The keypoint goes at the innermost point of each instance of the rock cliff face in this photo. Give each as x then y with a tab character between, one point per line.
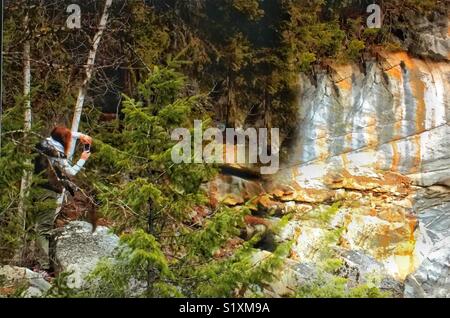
391	116
370	162
428	36
384	129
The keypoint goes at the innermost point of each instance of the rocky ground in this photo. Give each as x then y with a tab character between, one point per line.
375	226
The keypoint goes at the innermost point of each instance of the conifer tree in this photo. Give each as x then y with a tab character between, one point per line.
152	199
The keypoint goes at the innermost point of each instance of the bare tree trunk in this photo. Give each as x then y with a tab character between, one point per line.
89	70
83	88
26	178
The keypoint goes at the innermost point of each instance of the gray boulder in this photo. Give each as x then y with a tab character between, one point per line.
78	250
432	278
14	278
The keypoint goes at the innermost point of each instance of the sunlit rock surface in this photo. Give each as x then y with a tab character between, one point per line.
393	115
369	167
432	278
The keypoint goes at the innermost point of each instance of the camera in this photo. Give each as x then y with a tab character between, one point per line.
87	147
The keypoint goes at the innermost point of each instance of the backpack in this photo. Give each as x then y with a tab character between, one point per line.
57	181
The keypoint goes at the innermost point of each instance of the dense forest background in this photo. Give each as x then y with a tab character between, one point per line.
161	64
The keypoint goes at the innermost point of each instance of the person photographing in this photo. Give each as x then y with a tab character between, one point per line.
53	164
54	154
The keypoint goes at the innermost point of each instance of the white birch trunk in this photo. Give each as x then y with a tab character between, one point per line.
83	88
26	178
89	70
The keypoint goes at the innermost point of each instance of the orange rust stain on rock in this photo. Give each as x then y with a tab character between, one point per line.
395	157
391	213
310	195
293	255
387	182
397	130
418	88
384	240
322	145
412	221
372	133
395	72
345	84
348	142
402	56
344	160
393	178
417	160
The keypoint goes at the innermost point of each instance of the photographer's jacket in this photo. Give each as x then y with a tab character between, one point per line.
52	163
60	159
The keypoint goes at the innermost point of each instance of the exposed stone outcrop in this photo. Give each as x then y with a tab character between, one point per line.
432	206
392	116
432	252
432	278
428	36
373	215
78	249
370	167
27	282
